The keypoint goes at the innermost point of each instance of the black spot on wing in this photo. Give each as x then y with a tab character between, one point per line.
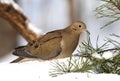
36	46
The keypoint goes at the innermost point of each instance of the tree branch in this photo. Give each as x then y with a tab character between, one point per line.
11	12
112	49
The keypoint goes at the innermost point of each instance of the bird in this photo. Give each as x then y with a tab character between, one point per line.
53	45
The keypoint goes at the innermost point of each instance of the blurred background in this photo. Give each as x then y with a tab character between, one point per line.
50	15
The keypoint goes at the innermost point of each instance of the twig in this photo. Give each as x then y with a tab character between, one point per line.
112	49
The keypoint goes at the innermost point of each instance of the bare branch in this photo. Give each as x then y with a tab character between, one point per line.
11	12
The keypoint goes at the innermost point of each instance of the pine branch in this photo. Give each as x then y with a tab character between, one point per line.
111	10
112	49
70	65
87	61
110	23
115	3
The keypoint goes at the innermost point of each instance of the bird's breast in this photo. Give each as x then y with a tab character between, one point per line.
68	45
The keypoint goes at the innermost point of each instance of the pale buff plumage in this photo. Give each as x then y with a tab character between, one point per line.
55	44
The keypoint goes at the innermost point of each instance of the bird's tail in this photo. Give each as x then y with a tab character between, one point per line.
22	52
17	60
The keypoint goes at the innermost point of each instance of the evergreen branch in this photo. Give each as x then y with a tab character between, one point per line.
115	3
112	49
114	42
115	35
72	65
110	23
111	9
85	61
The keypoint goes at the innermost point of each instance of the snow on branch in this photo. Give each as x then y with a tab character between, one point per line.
11	12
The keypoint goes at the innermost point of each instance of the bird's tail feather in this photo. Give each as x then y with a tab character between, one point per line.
22	52
17	60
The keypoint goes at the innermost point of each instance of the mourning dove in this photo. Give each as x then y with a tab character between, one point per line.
54	44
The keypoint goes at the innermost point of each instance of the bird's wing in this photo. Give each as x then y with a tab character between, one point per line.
50	36
50	45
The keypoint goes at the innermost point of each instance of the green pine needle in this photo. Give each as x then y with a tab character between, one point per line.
111	10
84	61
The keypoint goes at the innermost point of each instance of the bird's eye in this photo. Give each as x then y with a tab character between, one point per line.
80	26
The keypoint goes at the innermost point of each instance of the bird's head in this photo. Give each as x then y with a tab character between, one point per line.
78	27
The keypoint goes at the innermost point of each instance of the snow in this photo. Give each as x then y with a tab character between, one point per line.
88	77
37	71
28	71
96	55
106	55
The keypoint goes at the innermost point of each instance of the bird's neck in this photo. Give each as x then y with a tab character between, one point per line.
68	29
